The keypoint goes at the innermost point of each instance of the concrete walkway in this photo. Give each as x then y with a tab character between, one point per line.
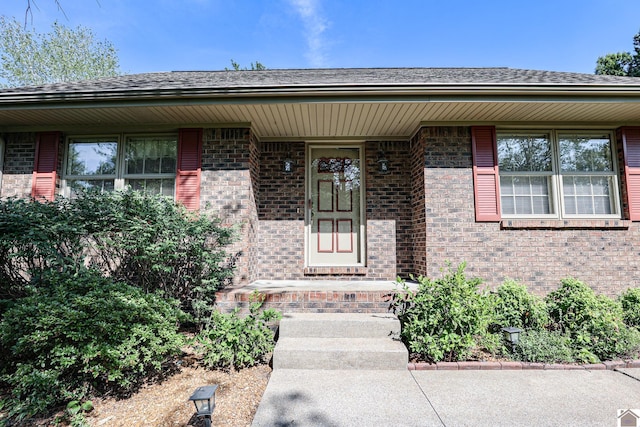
296	397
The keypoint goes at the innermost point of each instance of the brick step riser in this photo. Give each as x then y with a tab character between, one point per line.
310	301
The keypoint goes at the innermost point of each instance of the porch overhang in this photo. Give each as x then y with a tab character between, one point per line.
314	111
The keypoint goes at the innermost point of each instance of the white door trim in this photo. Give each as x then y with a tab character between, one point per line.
360	146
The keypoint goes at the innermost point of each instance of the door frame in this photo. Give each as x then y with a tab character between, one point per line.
360	145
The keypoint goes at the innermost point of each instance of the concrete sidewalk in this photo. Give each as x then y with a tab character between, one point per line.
447	398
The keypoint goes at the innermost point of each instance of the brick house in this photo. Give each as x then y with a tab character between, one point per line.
360	174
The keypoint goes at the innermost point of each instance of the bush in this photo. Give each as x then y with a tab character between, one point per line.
444	318
155	244
34	238
630	301
231	341
84	334
515	306
146	241
544	346
594	322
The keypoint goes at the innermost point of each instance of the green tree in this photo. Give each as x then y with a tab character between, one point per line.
621	63
64	54
257	66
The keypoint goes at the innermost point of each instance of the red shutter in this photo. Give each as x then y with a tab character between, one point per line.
486	184
43	184
188	177
631	150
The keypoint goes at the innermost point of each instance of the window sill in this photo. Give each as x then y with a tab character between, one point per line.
564	224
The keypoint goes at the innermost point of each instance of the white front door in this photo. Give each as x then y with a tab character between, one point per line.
334	206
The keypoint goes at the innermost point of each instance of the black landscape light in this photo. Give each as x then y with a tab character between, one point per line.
512	334
205	400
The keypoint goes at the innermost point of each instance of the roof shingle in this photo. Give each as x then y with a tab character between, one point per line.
317	78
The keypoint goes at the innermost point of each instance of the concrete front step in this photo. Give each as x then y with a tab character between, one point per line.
340	353
339	325
339	341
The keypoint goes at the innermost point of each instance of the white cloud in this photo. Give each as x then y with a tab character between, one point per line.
315	25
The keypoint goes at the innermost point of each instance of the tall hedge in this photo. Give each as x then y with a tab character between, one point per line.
148	242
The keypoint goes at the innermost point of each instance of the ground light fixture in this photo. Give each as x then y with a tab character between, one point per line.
204	398
512	335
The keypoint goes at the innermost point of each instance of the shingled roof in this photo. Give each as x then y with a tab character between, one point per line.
306	104
354	78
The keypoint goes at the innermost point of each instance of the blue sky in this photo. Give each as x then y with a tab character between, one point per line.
169	35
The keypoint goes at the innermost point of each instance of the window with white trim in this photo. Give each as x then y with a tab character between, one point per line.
557	174
144	162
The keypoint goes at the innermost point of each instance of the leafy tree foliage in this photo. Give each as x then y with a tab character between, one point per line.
257	66
621	63
64	54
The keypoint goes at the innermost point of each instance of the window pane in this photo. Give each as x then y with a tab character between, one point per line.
523	205
169	157
539	185
587	195
582	185
540	205
600	185
77	185
151	155
522	153
525	195
153	186
602	205
134	158
92	158
585	153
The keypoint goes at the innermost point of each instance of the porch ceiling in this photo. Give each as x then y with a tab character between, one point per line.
296	119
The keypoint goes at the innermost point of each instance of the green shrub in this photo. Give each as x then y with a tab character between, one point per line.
444	318
145	241
544	346
630	301
492	344
153	243
515	306
594	322
231	341
84	334
34	238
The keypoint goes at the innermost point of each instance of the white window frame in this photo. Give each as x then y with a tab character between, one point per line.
556	198
120	177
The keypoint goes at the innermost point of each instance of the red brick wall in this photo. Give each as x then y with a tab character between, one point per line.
418	213
389	252
227	190
605	258
281	212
